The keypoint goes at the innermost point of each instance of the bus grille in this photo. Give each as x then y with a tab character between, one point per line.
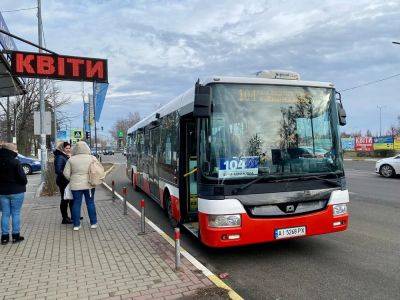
287	209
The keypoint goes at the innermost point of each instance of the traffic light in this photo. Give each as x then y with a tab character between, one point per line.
87	135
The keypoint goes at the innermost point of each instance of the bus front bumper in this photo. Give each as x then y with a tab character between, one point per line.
260	230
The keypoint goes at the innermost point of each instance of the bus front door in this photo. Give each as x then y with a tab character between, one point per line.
153	167
191	166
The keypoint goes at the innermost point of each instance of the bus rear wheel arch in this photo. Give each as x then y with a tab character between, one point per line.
169	209
135	187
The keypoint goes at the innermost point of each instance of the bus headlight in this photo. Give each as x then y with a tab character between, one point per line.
224	220
339	209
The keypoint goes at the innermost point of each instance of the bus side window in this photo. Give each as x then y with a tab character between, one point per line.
169	139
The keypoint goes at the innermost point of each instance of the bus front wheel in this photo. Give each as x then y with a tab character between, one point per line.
168	210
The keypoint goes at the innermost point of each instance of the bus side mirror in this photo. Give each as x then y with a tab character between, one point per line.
342	114
340	109
202	101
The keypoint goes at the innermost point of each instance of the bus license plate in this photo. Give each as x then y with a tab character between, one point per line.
290	232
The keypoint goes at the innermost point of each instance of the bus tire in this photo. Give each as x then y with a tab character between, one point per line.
168	210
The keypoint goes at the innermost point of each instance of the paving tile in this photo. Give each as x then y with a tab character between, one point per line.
111	262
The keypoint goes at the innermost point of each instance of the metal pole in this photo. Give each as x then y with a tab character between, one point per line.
142	217
55	115
177	235
43	150
124	191
95	123
23	40
380	119
89	125
113	190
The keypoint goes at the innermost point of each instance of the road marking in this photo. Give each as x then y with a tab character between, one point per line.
210	275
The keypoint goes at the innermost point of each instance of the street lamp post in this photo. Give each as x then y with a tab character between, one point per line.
380	118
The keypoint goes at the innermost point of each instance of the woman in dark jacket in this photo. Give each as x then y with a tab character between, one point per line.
61	155
12	191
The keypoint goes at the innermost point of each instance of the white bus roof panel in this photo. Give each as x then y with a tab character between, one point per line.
187	97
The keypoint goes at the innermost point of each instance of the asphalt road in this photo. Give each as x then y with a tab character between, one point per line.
360	263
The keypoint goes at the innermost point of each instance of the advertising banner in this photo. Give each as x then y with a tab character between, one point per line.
396	143
91	110
99	96
383	143
348	144
86	116
62	135
364	143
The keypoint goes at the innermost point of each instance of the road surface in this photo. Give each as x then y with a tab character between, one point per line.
360	263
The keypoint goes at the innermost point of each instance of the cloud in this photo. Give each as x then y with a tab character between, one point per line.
158	49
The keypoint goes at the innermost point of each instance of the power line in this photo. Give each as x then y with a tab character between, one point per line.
20	9
370	82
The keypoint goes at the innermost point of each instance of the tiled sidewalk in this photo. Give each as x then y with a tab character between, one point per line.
110	262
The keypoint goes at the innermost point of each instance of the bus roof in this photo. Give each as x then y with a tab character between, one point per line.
184	102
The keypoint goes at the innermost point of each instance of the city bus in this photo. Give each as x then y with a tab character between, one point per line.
244	160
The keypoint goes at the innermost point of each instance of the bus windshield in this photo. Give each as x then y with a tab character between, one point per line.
257	130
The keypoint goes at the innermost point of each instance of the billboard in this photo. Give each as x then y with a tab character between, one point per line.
348	144
364	143
396	143
383	143
40	65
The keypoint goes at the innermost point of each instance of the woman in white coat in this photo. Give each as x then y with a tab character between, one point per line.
77	172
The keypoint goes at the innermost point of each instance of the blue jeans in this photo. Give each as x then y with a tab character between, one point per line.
76	208
11	206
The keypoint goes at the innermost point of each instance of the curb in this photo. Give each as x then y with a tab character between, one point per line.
366	159
210	275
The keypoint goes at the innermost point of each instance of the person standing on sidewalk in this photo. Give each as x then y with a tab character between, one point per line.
12	191
77	172
61	156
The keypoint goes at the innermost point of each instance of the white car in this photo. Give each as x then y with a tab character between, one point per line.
388	167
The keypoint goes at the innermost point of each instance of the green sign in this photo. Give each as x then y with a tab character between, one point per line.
120	134
76	135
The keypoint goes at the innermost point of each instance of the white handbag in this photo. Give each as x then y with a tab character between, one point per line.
68	193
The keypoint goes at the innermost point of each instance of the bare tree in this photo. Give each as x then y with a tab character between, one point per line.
123	124
17	112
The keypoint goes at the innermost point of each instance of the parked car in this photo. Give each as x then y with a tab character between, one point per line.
29	165
388	167
108	152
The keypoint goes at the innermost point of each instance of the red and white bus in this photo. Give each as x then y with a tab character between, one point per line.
243	160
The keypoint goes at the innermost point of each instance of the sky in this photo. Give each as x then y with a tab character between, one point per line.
157	49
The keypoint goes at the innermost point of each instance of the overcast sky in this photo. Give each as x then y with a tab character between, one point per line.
158	49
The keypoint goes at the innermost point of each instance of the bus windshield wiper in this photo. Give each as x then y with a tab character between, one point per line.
246	185
292	177
323	177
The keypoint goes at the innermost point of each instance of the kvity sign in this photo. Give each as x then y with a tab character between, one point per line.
40	65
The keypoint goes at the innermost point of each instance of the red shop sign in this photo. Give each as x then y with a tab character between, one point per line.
40	65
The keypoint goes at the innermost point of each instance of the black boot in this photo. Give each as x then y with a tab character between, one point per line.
17	238
5	238
66	221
